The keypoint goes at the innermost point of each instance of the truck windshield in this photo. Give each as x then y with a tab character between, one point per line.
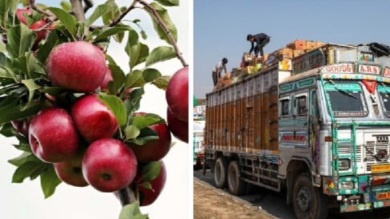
345	98
384	91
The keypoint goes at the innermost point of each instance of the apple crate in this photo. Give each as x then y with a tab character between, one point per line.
264	58
298	52
285	53
311	45
297	44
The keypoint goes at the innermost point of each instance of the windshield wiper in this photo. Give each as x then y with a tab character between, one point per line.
341	91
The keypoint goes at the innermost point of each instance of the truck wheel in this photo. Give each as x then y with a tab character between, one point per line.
236	185
308	202
220	170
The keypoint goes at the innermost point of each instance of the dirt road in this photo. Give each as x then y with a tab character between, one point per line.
212	203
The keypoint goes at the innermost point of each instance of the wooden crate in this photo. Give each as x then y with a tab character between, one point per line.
297	44
286	53
298	52
311	45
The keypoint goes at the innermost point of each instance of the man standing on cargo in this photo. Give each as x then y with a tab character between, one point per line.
261	40
221	65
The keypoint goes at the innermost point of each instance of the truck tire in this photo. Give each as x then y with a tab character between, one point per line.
220	171
236	185
308	201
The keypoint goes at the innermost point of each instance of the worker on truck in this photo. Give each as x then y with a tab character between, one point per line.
221	65
261	41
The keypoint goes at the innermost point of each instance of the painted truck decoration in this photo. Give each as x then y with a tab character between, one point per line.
319	130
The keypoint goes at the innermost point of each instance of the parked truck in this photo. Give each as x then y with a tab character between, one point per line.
316	127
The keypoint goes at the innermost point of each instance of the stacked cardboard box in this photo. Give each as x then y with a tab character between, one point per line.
300	47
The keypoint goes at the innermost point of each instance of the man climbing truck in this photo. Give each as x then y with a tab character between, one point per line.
317	129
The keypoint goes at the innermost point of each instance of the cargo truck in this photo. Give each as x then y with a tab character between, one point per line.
316	126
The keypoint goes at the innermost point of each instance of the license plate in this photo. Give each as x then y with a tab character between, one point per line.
383	195
380	168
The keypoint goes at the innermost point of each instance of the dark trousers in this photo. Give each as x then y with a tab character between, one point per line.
215	77
260	46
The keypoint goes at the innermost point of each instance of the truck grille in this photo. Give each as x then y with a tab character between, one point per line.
371	153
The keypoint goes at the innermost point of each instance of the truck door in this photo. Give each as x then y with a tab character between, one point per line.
300	116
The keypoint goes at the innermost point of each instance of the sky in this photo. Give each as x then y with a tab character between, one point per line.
26	200
221	27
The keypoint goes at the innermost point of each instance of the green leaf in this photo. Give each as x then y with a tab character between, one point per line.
131	132
132	211
116	106
49	182
11	110
66	6
117	73
66	19
132	103
160	54
169	2
107	32
150	74
7	7
151	171
7	130
166	19
32	87
134	79
23	147
20	40
147	185
26	170
147	120
52	40
24	158
99	11
137	51
112	14
162	82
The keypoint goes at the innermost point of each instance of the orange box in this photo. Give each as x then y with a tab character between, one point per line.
319	44
297	44
264	58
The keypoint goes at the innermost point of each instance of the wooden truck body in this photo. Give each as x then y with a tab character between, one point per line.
317	127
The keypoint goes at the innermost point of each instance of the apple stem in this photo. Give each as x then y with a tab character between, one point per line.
126	196
165	29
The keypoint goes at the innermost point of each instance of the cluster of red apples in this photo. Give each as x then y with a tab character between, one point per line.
81	139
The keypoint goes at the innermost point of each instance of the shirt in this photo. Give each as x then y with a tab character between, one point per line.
258	38
219	67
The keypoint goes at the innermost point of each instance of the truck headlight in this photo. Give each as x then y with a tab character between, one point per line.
344	164
347	185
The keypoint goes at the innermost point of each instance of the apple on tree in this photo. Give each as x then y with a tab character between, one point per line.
177	94
93	119
109	165
78	66
153	150
149	195
70	171
178	128
53	136
38	27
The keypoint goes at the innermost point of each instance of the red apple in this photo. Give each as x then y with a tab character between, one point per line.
178	128
177	94
93	119
53	136
109	165
70	172
78	66
39	32
148	196
21	126
154	150
21	13
106	80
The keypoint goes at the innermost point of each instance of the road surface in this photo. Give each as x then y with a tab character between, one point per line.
275	203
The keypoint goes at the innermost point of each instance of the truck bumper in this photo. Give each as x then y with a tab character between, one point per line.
359	193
